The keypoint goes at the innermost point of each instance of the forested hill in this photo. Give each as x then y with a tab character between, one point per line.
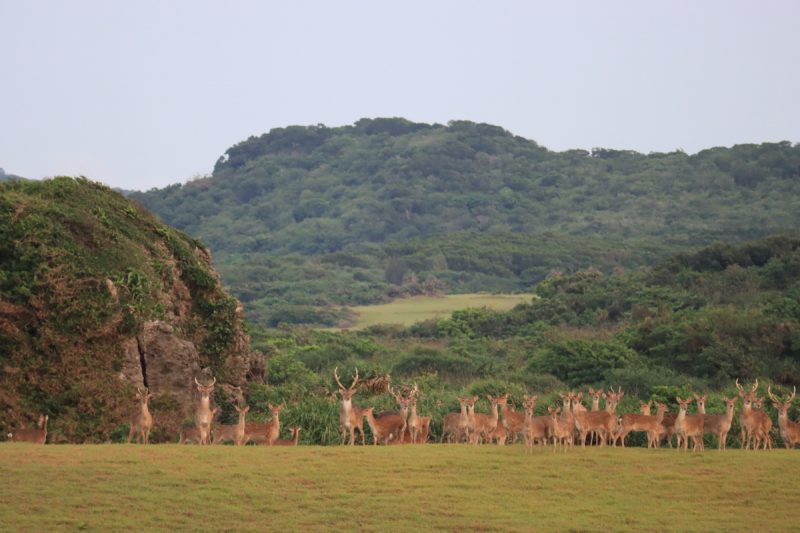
471	205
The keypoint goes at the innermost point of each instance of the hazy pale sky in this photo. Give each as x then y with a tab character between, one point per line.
147	93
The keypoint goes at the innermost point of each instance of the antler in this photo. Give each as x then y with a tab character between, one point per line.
355	380
336	375
756	385
794	393
772	396
739	386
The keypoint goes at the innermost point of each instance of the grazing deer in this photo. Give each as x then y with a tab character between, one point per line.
295	431
456	425
192	434
513	422
36	435
562	429
689	426
485	424
718	425
790	431
639	422
425	428
142	421
202	415
232	432
351	418
386	427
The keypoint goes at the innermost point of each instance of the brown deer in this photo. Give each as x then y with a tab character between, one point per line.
718	425
537	428
689	426
414	422
203	415
752	421
790	431
232	432
456	425
351	417
425	428
485	424
265	432
142	421
603	421
36	435
765	425
563	429
295	431
513	422
386	427
192	434
639	422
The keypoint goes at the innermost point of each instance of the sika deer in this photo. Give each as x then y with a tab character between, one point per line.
386	427
142	421
639	422
32	435
203	415
350	416
295	431
513	422
232	432
192	434
456	425
790	431
719	425
689	426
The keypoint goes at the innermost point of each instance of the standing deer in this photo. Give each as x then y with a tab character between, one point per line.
790	431
639	422
485	424
513	422
753	422
689	426
142	421
603	422
192	434
718	425
425	428
233	432
350	416
456	425
203	414
414	422
563	429
536	427
36	435
386	427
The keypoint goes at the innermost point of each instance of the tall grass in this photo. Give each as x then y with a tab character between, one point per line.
396	488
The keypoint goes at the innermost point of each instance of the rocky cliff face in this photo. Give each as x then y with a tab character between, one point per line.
97	298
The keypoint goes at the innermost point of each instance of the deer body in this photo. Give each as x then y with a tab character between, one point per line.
513	422
689	426
639	422
290	442
351	417
36	435
142	421
485	424
203	415
790	431
232	432
386	427
456	425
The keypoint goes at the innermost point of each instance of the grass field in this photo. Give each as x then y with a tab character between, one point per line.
407	311
402	488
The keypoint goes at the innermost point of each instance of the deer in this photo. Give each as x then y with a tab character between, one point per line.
265	432
764	427
640	422
596	394
689	426
37	435
192	434
456	425
603	421
295	431
232	432
485	424
425	428
414	423
513	422
790	431
386	427
537	428
142	421
718	425
563	429
351	418
203	415
752	421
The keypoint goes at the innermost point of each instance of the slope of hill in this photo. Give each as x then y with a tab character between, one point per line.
303	217
97	297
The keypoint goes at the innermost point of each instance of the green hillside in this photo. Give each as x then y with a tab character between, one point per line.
301	218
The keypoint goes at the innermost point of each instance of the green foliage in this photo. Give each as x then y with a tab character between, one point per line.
578	361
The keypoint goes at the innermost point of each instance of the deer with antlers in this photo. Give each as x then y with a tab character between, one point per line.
142	421
351	418
790	431
754	423
203	415
456	425
689	426
232	432
640	422
37	435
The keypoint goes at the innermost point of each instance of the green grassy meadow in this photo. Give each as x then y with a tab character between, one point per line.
396	488
407	311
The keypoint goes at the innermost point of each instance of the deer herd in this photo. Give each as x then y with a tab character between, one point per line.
564	426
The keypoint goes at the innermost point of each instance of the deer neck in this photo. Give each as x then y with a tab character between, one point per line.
347	406
595	404
295	437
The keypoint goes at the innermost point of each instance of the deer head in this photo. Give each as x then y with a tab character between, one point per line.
346	392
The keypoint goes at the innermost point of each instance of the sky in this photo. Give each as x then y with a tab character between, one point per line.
144	94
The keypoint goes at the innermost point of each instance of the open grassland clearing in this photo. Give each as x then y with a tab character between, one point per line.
407	311
396	488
